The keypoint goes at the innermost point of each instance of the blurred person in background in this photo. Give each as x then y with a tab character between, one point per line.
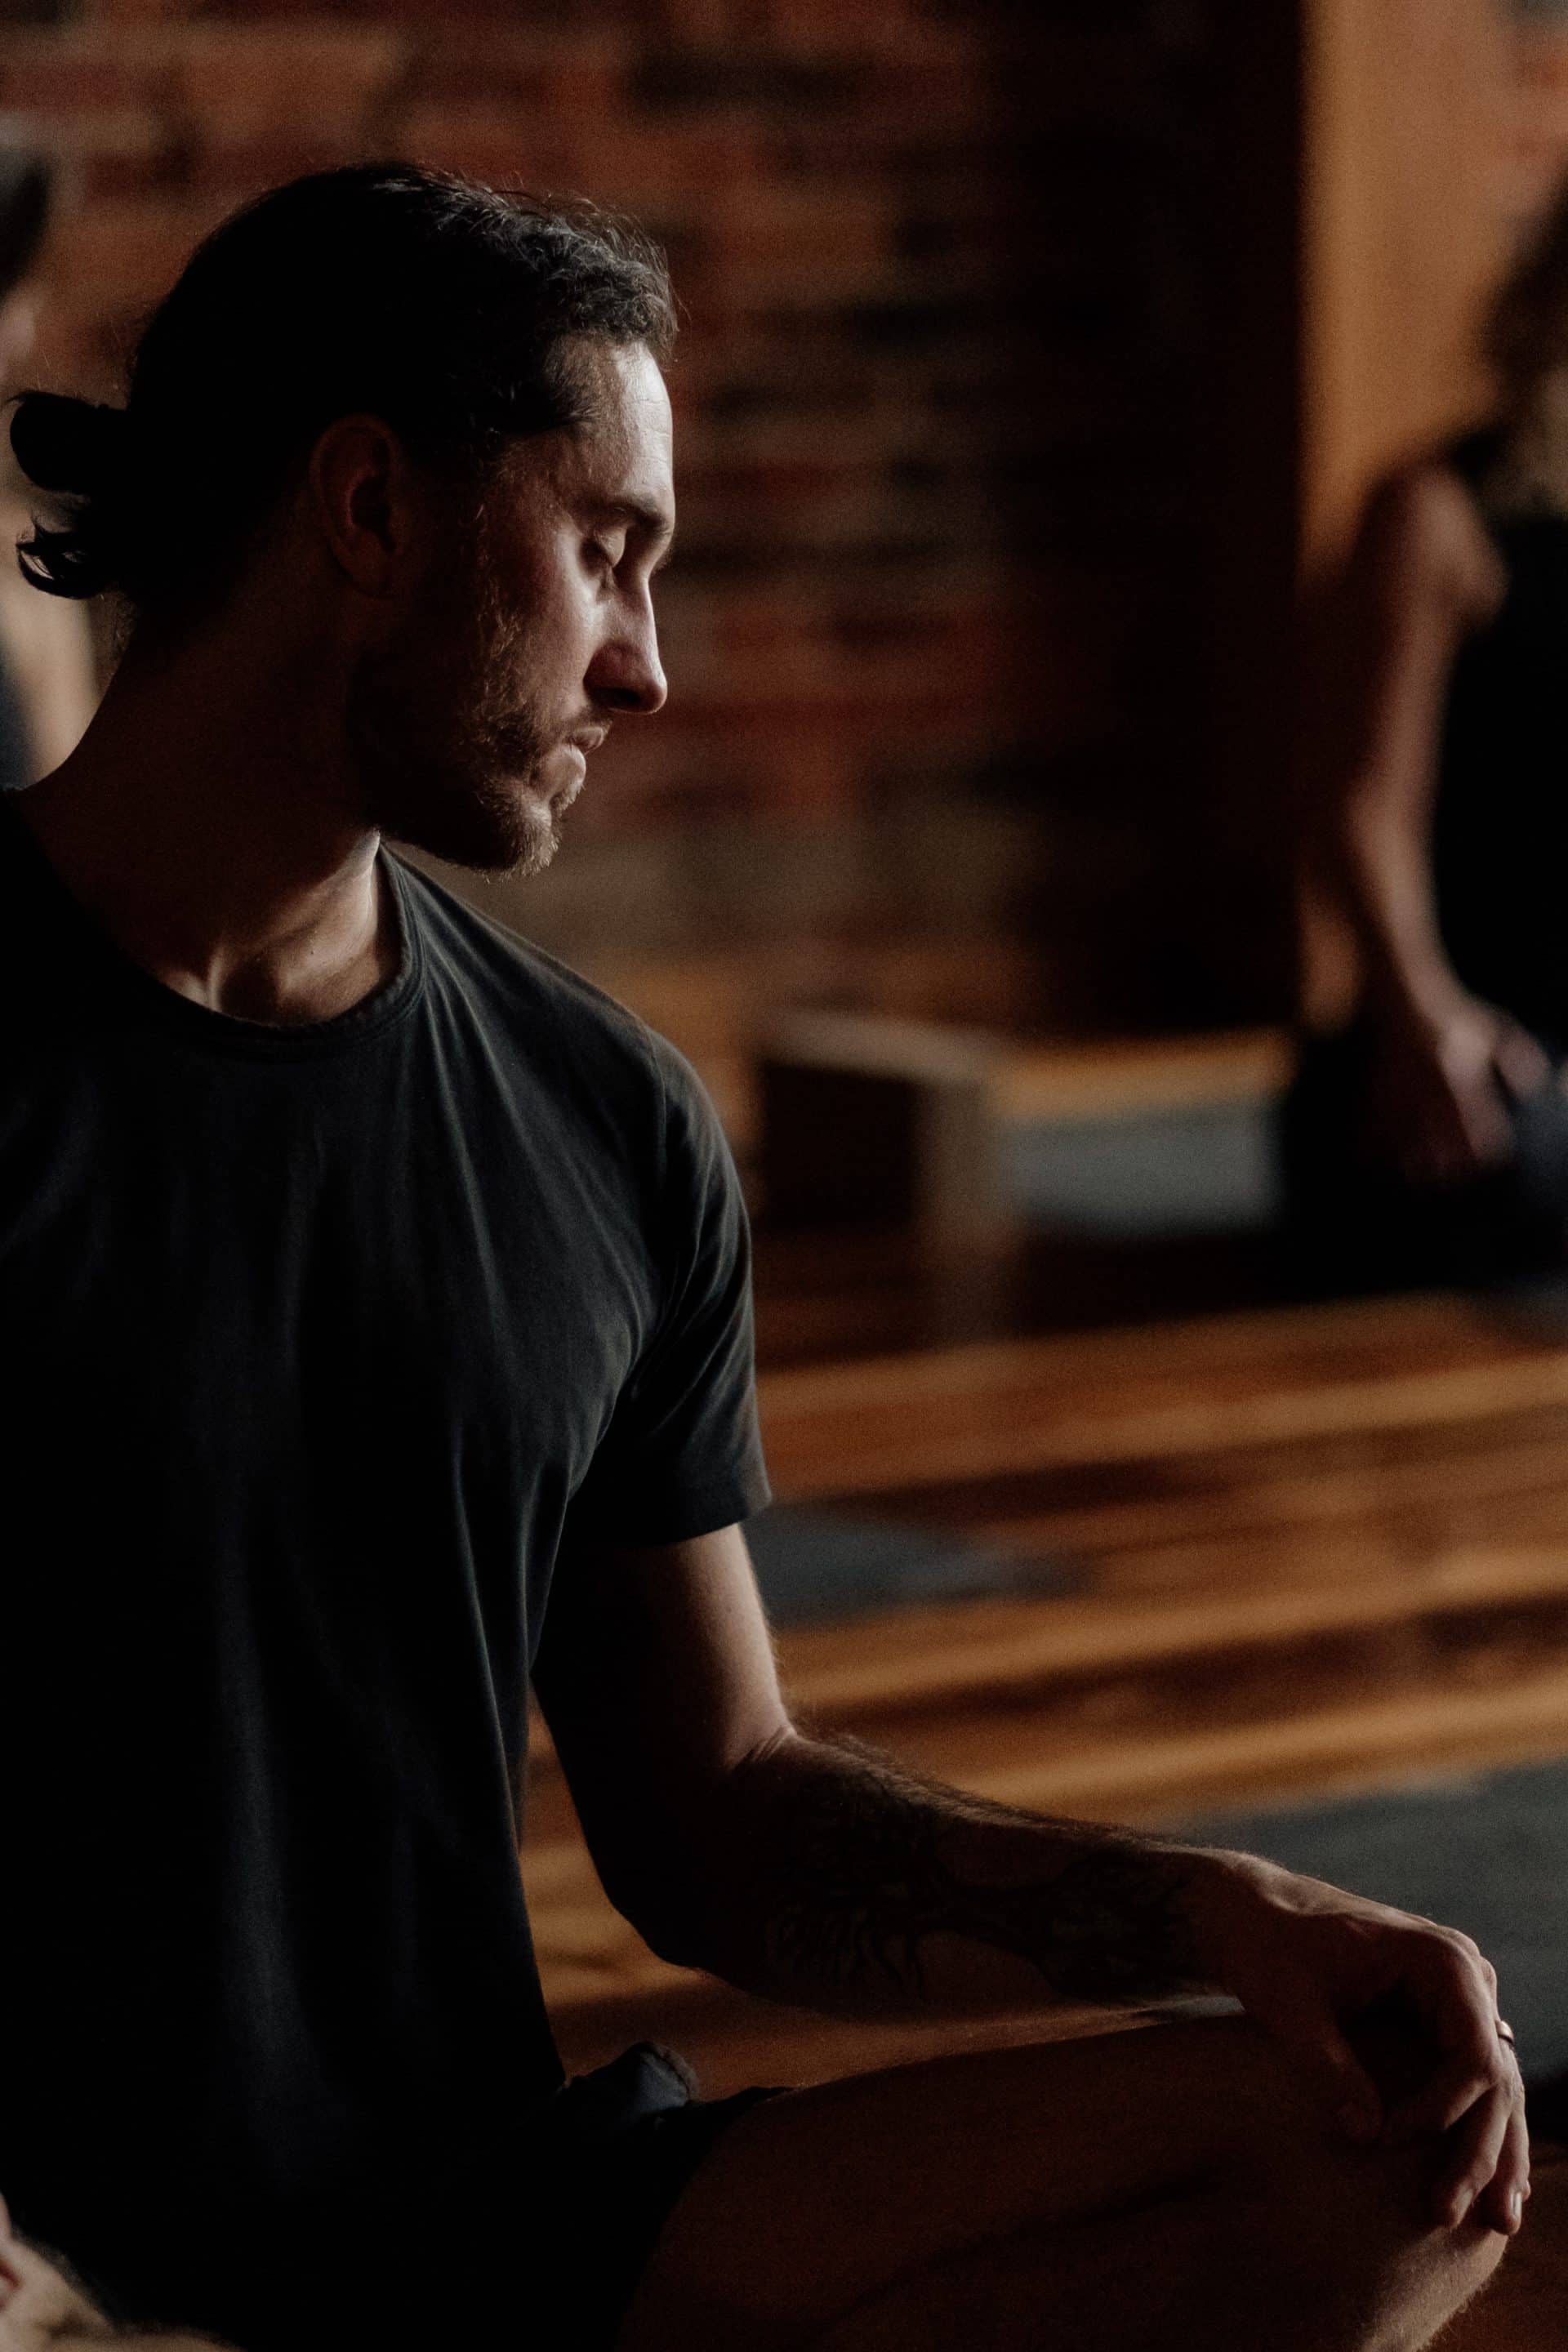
48	686
1426	1136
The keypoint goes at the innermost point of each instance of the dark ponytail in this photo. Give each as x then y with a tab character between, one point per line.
433	302
79	452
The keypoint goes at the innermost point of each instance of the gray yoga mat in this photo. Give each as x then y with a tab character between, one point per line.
814	1565
1205	1169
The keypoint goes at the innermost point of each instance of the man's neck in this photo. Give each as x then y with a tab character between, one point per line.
206	825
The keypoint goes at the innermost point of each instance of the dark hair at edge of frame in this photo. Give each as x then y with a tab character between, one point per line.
435	303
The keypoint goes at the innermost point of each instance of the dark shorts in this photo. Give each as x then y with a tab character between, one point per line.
542	2253
629	2135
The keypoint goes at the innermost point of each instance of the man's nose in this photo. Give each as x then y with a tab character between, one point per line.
627	672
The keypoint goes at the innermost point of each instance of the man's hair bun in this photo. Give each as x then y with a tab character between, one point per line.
77	452
68	446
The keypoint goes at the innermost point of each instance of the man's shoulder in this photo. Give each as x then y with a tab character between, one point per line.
521	989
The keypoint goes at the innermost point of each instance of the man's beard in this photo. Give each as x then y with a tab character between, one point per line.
471	818
452	761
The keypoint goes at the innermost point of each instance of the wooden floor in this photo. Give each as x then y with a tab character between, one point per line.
1288	1551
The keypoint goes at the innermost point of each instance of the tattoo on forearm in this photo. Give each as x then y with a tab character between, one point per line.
862	1875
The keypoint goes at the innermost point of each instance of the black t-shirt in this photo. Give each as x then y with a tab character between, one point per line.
320	1347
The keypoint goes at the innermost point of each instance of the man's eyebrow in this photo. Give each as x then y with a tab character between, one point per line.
651	522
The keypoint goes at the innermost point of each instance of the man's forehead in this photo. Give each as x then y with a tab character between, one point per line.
624	450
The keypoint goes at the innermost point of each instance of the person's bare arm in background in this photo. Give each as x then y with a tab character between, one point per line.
41	2311
1421	575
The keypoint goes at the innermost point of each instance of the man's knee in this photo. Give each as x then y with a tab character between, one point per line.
1329	2219
1352	2225
1398	2281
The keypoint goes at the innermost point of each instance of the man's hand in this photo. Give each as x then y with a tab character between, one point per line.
40	2310
1308	1961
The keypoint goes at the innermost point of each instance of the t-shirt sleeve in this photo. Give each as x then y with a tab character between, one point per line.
682	1454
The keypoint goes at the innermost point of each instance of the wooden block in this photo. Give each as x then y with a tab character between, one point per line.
1129	1077
865	1121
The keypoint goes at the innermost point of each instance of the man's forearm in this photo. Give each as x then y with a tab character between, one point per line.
848	1884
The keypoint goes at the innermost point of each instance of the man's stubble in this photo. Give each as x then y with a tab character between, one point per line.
450	747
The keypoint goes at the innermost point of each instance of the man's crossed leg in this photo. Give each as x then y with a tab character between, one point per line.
1174	2189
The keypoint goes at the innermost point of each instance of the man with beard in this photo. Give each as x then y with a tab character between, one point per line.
377	1334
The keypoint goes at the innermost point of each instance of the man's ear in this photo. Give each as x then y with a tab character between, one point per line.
361	485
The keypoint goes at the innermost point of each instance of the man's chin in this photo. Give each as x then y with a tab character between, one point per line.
513	833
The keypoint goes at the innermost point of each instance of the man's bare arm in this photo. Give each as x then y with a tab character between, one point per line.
847	1883
820	1873
814	1870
